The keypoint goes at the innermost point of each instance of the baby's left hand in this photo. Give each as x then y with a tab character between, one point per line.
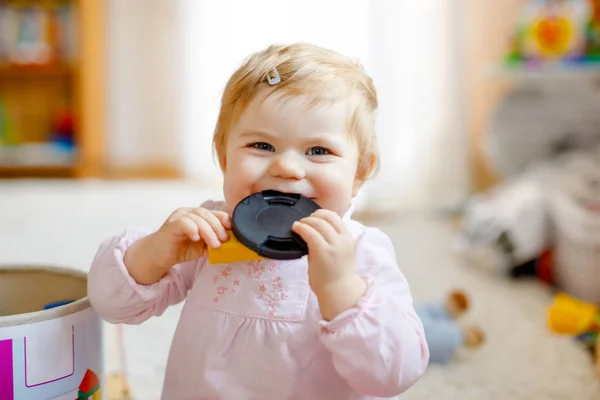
331	269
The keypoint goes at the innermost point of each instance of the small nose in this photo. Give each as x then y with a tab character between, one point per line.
287	166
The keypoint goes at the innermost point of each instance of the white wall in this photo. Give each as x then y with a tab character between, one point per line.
218	35
170	59
408	47
143	97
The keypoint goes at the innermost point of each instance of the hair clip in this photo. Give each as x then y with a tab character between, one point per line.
273	77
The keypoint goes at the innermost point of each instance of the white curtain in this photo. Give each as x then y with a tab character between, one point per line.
408	47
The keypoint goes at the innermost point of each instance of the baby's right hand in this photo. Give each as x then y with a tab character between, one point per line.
187	232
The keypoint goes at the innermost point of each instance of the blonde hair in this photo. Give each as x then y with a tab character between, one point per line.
322	75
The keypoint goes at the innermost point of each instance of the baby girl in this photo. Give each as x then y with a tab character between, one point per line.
338	323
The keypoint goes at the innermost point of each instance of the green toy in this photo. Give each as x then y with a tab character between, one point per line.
7	133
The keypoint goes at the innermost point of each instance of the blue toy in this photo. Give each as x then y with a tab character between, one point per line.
57	304
444	333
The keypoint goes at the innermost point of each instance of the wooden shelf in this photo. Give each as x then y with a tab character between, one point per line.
552	72
59	70
36	159
37	171
33	96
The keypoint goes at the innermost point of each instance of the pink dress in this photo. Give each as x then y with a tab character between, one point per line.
253	330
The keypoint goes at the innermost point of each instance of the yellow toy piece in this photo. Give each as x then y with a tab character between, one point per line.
231	251
554	36
571	316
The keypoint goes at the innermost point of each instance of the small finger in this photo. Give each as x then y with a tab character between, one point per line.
177	214
196	249
188	227
205	230
333	218
224	218
322	226
311	236
213	221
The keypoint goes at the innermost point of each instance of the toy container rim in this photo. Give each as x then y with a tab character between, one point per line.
53	313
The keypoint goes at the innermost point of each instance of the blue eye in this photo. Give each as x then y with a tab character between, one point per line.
263	146
317	151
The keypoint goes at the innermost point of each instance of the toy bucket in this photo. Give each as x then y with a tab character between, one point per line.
50	339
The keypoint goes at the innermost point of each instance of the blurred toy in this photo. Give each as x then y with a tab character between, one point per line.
55	304
593	32
7	133
444	334
554	30
575	213
63	130
570	316
507	228
90	387
539	267
581	180
512	228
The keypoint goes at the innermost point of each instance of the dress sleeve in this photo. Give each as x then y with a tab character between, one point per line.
379	345
118	298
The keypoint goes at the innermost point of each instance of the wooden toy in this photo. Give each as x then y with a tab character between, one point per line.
231	251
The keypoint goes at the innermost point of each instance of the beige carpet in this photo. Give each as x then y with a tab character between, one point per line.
520	359
63	223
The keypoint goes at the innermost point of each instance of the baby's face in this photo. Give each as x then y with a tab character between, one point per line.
281	144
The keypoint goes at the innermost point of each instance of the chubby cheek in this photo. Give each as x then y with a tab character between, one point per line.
333	188
240	176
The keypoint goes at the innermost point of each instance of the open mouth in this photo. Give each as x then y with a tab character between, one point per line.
292	193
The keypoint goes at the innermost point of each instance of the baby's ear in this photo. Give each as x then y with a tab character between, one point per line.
357	185
364	172
359	181
223	161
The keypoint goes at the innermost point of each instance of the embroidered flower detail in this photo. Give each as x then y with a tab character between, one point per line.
226	272
236	284
255	269
273	267
271	302
221	290
223	283
272	294
277	285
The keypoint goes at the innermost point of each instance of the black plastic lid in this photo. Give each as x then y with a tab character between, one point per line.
263	222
